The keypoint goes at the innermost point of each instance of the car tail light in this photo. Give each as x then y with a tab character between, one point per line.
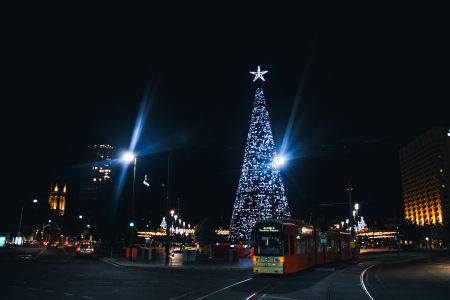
78	249
66	243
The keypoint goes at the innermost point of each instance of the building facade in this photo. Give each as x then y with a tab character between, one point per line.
425	177
94	187
101	168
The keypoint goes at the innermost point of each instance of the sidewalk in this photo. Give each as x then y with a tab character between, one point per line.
178	263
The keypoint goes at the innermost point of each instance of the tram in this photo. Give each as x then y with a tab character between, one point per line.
283	246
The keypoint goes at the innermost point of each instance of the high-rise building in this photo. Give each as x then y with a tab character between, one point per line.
425	175
57	200
101	168
94	186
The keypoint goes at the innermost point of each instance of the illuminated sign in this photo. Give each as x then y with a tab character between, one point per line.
2	241
268	229
305	230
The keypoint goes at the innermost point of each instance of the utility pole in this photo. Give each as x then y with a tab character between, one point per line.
350	206
19	233
168	216
132	224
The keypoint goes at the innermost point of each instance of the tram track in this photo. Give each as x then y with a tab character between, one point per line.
263	286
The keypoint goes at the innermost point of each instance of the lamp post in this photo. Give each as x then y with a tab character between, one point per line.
350	189
80	217
278	162
21	216
127	158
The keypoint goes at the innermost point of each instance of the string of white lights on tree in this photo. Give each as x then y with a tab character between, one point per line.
260	194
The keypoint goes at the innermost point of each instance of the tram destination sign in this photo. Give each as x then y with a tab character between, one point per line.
268	229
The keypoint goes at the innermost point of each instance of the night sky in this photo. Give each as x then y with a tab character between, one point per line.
357	83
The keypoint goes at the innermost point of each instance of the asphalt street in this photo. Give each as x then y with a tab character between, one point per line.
39	273
426	278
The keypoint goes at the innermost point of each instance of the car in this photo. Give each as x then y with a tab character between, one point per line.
71	242
85	249
31	243
52	244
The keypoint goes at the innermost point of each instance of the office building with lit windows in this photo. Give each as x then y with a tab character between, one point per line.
101	169
95	186
425	169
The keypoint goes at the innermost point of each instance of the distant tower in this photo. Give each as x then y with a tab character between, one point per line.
101	168
57	200
260	194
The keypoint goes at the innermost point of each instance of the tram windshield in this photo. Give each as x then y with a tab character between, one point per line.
268	245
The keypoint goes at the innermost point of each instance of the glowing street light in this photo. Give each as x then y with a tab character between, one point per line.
21	215
356	206
127	158
279	161
80	217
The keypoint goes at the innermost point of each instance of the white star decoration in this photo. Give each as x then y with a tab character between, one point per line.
258	74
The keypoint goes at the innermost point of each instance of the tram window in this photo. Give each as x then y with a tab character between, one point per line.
298	246
286	245
291	242
268	246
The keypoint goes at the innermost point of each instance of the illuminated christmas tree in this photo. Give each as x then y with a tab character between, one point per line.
260	194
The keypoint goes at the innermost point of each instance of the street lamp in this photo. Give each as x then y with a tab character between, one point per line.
21	215
279	161
127	158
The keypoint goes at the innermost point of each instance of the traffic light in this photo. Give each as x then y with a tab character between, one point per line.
131	224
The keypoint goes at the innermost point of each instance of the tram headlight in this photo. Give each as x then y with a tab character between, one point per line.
280	260
255	259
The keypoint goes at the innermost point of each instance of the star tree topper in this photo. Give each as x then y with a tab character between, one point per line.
258	74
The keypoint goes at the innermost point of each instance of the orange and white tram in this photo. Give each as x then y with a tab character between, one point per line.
283	246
